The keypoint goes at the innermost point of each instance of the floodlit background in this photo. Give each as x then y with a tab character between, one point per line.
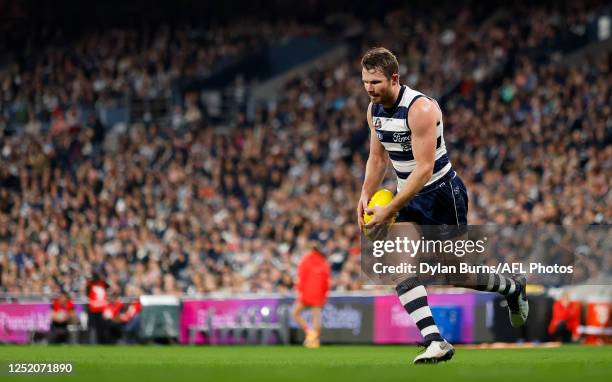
185	154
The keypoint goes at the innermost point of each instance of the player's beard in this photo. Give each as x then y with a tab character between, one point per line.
378	98
386	98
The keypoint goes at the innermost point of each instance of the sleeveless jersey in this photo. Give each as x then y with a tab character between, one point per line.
394	133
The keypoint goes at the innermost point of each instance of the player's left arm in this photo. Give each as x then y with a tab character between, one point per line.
422	119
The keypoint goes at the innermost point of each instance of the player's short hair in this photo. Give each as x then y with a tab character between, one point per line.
382	59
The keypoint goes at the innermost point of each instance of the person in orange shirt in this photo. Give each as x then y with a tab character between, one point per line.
312	287
565	319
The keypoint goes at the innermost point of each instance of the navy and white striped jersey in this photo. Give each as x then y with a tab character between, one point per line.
394	133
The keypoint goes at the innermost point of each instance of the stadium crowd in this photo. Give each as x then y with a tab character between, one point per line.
60	80
180	207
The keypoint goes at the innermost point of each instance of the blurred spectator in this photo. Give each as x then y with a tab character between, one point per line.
98	301
129	318
62	315
565	319
312	287
111	315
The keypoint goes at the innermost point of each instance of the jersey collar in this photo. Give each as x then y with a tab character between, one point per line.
397	101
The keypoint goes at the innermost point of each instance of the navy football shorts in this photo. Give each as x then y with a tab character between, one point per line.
442	203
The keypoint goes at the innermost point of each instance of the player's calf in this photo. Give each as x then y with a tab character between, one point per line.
514	289
518	306
413	297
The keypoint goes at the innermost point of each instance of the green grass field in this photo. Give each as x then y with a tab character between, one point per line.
329	363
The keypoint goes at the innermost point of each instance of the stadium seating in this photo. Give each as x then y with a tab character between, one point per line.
162	202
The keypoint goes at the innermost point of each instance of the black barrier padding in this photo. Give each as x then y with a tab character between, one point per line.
540	313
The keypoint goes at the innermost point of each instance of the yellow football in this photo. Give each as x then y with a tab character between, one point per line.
380	198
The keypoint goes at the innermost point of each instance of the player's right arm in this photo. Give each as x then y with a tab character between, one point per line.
376	167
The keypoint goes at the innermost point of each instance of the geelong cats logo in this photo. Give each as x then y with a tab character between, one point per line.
377	123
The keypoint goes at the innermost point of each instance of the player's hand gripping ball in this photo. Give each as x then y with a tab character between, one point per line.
380	198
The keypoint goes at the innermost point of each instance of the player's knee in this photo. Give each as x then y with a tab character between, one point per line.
407	284
296	311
